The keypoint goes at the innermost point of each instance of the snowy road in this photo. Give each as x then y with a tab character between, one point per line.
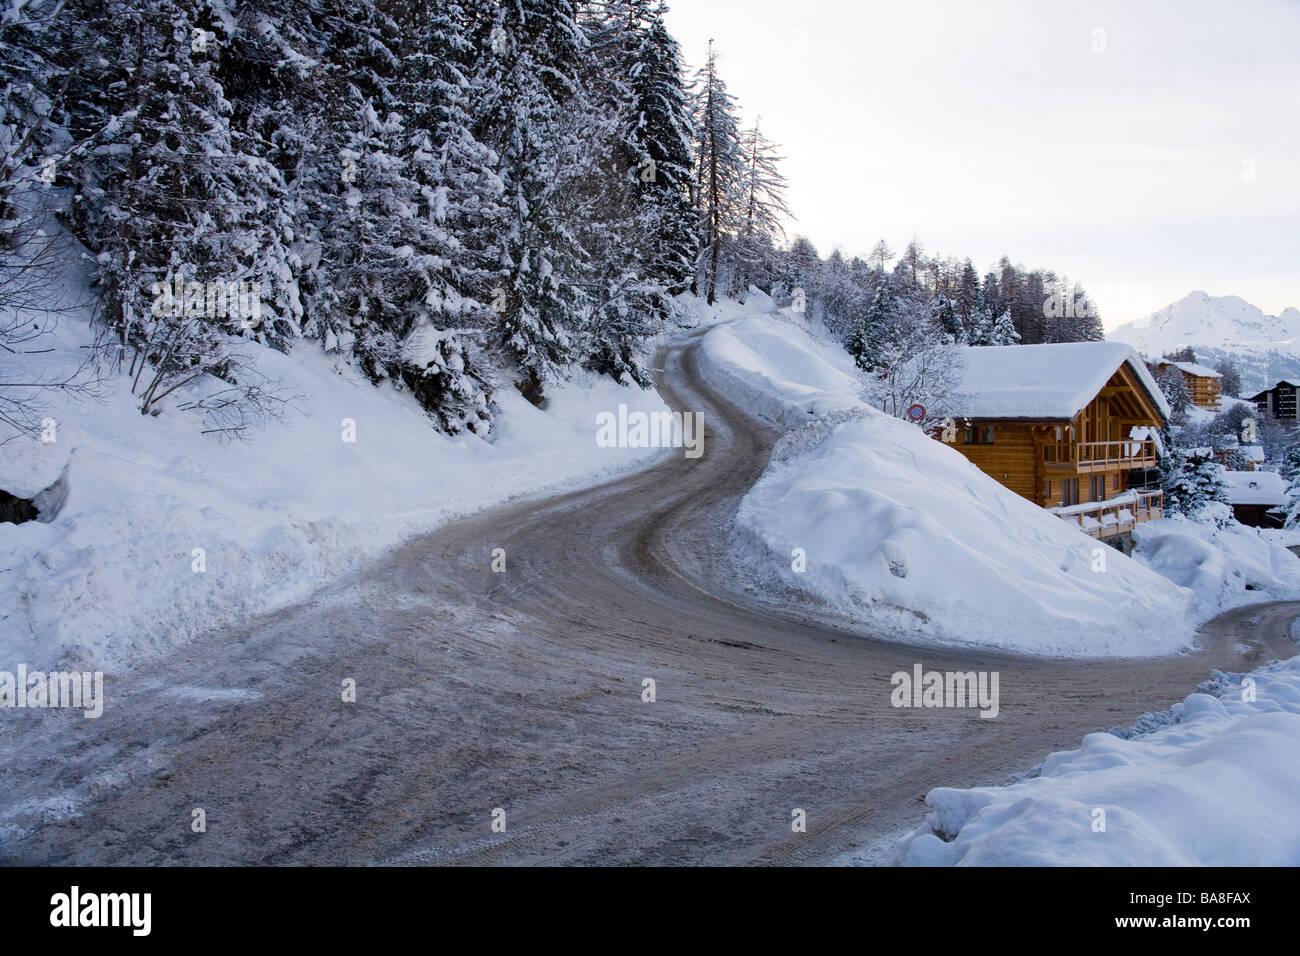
523	691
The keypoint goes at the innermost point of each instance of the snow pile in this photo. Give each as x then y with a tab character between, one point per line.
908	537
1223	566
1216	783
117	572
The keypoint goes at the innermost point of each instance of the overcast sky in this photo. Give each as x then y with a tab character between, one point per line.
1146	148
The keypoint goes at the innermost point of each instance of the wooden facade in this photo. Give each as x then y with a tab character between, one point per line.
1068	463
1204	386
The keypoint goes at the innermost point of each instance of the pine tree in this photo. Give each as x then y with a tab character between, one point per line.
969	295
1004	331
943	314
1174	388
870	341
164	194
531	98
719	171
1198	483
761	212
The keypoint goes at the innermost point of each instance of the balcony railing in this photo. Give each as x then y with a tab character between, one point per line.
1101	519
1087	456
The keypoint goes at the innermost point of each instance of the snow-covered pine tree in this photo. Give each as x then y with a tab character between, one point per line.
761	212
531	113
943	313
457	215
163	193
1195	485
1174	387
870	341
1004	331
968	296
639	236
720	170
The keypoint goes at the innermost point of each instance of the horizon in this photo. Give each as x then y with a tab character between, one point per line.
1149	134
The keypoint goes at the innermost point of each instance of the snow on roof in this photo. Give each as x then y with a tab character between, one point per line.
1043	381
1191	368
1255	487
1253	452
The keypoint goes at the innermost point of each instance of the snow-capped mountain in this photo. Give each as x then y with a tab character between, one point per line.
1264	347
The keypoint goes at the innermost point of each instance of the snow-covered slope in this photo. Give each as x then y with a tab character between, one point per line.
1215	785
1211	322
1264	347
906	535
274	518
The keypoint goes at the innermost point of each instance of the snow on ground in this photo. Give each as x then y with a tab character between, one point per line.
1222	566
905	534
276	517
1212	782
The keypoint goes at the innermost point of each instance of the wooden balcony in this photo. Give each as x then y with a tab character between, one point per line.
1089	456
1102	519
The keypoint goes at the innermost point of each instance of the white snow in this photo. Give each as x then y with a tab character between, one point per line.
1217	783
1052	382
1213	322
293	508
1192	368
908	537
1255	487
1223	567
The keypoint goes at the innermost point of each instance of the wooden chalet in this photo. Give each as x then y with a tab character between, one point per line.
1278	401
1204	385
1258	498
1064	425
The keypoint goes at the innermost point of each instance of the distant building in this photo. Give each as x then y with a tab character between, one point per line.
1064	425
1257	497
1278	401
1253	454
1204	385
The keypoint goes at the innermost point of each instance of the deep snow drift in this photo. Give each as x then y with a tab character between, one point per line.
909	538
275	517
1214	785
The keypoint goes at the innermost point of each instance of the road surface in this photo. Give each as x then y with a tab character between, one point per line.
523	691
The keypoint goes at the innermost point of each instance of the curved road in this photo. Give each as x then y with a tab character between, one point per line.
523	690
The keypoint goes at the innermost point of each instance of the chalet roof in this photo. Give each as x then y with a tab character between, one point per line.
1282	381
1044	382
1255	487
1191	368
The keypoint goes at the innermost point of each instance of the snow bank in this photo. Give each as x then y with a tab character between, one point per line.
1223	566
1215	784
276	517
907	536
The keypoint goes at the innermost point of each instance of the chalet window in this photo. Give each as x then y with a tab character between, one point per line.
1115	483
979	435
1047	492
1098	487
1070	491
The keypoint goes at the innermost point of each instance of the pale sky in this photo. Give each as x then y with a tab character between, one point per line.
1146	148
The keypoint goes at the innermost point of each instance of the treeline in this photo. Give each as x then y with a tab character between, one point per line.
430	189
862	300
